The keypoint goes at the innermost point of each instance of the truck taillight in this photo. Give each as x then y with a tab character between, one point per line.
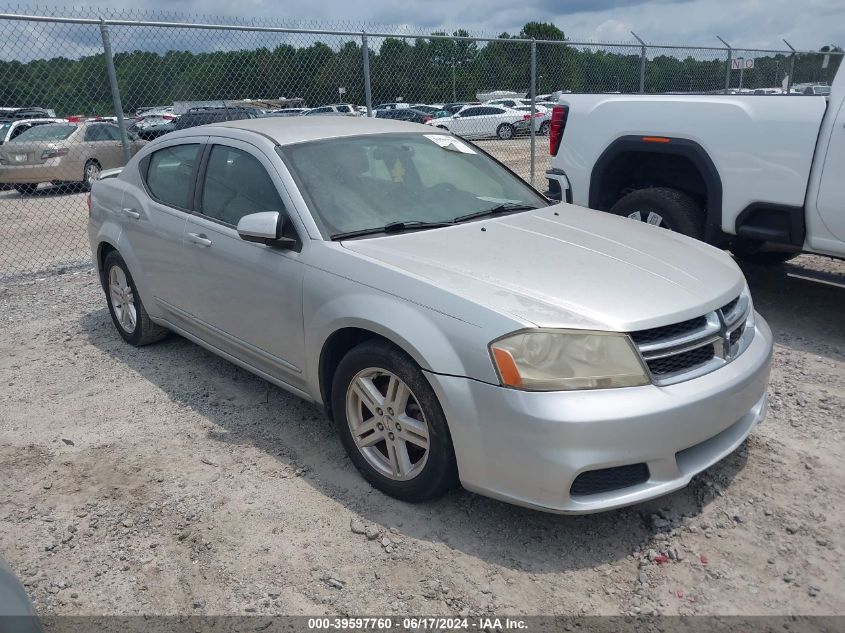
88	202
558	124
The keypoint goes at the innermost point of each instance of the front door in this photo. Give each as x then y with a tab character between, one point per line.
246	298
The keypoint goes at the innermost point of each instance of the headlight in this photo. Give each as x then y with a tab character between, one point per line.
562	360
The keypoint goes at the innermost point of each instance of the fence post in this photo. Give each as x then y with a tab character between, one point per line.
533	122
642	61
728	69
115	92
791	77
368	94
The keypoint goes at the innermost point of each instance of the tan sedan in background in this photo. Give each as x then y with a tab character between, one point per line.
62	153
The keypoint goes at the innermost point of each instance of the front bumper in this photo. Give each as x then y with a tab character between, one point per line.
527	448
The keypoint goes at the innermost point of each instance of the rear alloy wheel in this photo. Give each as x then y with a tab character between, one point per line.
26	189
545	126
127	312
505	131
391	423
663	207
91	173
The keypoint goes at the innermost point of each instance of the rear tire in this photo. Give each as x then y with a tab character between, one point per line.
545	126
128	314
26	189
427	473
750	251
505	131
664	207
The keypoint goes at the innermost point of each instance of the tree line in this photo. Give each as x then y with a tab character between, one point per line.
416	70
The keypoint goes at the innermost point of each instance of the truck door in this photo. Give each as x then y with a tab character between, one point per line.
831	199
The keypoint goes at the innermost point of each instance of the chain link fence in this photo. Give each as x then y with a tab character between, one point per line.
81	91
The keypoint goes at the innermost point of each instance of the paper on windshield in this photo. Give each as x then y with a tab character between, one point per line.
450	143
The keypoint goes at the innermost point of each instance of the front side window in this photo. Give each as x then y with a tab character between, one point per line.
236	184
169	173
366	182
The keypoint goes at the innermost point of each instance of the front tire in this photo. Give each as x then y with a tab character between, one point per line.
505	131
545	126
391	423
128	314
660	206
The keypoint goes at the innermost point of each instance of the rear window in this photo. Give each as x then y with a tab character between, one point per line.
47	133
169	172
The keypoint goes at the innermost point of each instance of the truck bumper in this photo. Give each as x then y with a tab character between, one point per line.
559	188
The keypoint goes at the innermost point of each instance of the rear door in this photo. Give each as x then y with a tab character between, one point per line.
155	212
103	146
246	298
831	197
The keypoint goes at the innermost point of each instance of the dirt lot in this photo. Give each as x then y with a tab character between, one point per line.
167	481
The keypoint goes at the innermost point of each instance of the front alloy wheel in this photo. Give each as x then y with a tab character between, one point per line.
391	423
387	423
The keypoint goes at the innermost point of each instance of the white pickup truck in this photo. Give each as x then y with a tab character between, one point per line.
763	176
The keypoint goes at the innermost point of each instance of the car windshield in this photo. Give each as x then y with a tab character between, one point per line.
46	133
366	182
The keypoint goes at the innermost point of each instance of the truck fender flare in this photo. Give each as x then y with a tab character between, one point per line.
672	146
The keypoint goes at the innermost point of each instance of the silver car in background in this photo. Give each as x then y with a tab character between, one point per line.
455	326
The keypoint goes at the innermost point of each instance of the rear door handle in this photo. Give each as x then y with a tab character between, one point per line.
199	239
131	213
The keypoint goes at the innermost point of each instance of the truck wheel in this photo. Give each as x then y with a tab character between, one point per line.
667	208
751	251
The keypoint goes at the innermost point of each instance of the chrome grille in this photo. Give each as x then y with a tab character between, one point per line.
697	346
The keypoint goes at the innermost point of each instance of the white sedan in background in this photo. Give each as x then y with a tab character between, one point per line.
483	121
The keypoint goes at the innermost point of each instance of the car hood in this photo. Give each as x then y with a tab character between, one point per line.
566	266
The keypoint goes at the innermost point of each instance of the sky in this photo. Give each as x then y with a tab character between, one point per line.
806	24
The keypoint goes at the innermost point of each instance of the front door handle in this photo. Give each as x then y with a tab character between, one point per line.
199	239
131	213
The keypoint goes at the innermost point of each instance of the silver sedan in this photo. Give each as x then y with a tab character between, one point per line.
455	325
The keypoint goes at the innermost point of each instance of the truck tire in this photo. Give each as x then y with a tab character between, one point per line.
751	251
668	208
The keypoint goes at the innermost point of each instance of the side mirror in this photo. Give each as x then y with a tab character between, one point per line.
264	228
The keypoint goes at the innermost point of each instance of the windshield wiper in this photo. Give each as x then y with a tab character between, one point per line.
392	227
499	208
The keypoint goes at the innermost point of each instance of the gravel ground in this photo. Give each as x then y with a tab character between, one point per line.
164	480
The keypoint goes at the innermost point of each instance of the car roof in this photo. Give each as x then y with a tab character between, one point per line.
289	130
